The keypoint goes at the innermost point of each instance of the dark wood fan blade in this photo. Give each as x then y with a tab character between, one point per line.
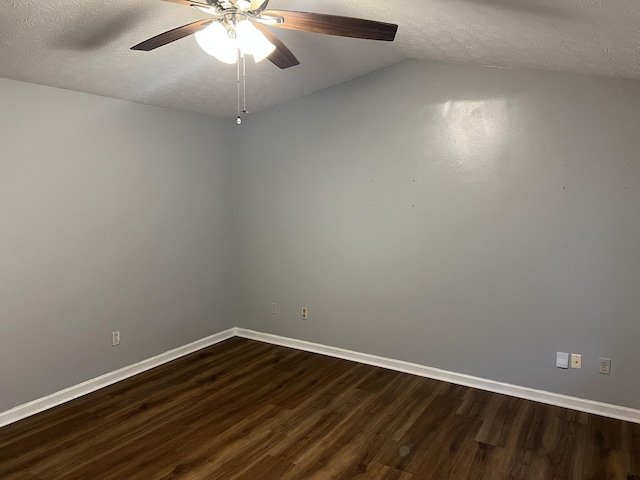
172	35
335	25
187	3
281	56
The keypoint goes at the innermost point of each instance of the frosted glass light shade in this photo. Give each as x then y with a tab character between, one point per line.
252	41
262	49
215	41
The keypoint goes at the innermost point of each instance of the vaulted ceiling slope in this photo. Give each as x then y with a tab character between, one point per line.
84	45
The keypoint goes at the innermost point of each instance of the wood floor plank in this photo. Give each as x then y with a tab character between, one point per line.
454	457
20	476
475	403
631	446
360	445
564	444
483	460
268	468
502	413
605	432
604	464
420	437
382	472
529	460
246	410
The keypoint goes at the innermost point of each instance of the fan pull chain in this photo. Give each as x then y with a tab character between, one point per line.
242	57
244	84
239	120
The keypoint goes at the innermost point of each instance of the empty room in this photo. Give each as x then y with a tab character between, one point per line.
302	240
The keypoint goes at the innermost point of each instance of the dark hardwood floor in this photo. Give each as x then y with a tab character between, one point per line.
248	410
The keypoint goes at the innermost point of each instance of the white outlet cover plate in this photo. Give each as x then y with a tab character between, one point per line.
606	363
562	360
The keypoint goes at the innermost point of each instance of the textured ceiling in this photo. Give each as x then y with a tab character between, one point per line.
84	45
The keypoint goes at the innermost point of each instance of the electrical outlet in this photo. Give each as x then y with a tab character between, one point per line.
274	309
604	366
576	360
304	313
115	338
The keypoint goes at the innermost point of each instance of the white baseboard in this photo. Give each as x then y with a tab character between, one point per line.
50	401
575	403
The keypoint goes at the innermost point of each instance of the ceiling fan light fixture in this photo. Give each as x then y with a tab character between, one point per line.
238	29
215	40
252	41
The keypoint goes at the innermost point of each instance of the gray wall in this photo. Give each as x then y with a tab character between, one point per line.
471	219
113	216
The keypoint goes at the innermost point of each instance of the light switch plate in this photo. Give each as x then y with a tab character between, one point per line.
562	360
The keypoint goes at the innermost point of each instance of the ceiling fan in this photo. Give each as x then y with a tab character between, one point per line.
239	27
